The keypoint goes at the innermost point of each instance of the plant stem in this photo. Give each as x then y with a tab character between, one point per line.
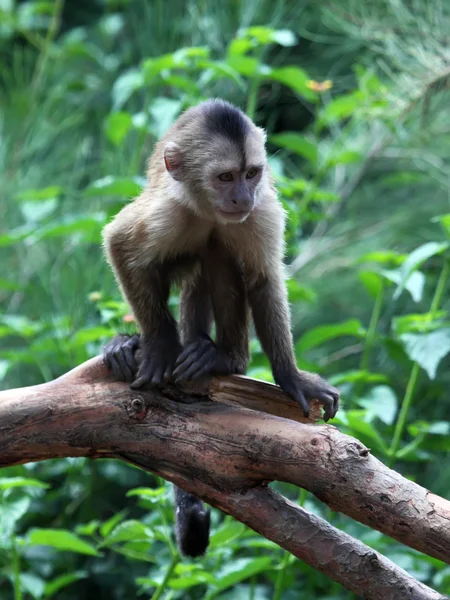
440	288
374	318
16	569
52	32
173	563
279	584
253	97
401	420
409	393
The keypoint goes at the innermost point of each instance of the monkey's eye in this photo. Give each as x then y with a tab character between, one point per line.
252	173
225	176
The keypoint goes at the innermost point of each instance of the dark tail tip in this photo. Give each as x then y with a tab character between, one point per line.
192	524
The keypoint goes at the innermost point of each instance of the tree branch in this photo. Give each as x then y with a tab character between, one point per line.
229	437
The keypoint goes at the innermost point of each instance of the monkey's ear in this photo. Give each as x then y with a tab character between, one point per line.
173	158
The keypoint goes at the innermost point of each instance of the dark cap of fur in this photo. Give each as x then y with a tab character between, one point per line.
222	118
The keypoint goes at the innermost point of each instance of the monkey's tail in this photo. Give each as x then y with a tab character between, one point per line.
192	520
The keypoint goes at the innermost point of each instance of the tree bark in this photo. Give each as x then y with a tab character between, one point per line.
224	440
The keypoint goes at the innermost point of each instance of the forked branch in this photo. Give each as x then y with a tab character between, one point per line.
225	440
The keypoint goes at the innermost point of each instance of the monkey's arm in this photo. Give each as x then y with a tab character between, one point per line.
146	286
269	303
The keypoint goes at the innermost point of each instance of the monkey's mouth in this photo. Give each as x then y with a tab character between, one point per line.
233	217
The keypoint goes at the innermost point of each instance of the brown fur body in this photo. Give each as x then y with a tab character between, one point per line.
224	240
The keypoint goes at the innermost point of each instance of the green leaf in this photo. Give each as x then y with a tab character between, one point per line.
444	220
245	65
10	512
414	284
52	192
31	584
227	532
344	157
427	350
55	585
164	111
10	286
125	86
117	125
359	376
267	35
187	581
380	402
21	325
383	257
115	186
109	525
127	531
7	483
88	529
340	108
89	334
284	37
372	281
60	539
323	333
153	495
296	143
4	368
419	323
239	570
296	79
37	211
415	259
298	292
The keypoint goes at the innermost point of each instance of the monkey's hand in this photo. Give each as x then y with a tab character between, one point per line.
119	356
202	357
156	357
303	386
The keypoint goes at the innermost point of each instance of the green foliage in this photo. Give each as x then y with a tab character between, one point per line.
361	162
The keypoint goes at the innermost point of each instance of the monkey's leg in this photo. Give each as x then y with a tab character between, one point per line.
269	303
230	352
195	308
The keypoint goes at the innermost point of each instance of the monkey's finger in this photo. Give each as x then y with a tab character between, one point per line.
121	359
298	395
328	405
181	367
133	343
130	360
199	369
191	352
168	372
158	375
116	368
140	380
330	402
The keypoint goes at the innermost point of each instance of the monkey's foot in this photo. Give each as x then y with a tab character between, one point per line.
119	356
201	358
156	358
303	386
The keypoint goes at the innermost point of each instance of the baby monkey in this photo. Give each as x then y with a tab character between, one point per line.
210	219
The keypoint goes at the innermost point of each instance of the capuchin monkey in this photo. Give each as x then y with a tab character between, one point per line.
210	219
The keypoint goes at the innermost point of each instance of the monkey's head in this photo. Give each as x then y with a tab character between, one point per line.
218	155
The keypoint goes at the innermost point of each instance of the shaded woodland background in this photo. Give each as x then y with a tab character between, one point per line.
355	99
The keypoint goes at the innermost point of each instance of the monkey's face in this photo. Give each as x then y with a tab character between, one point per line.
232	181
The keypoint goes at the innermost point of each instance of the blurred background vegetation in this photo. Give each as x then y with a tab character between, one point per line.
355	99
